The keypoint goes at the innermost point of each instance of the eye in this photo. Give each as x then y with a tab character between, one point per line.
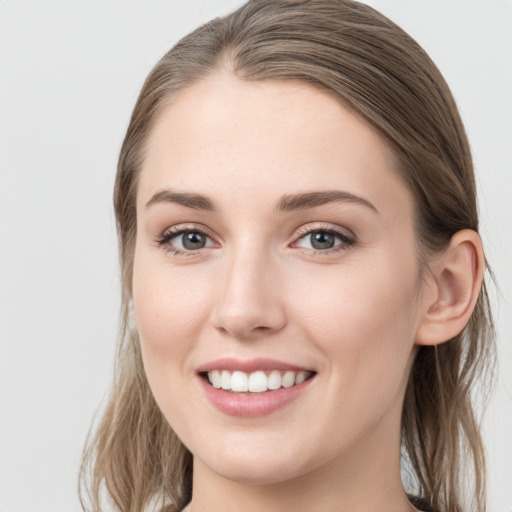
185	240
324	240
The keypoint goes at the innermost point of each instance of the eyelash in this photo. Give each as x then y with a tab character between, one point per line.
346	240
164	240
167	236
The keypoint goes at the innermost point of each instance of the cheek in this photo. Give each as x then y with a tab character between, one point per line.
364	323
373	299
169	309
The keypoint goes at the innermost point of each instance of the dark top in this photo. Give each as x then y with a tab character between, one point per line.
421	504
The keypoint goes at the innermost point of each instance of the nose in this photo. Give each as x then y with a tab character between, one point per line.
250	304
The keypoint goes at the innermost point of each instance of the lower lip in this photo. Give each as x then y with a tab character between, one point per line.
252	405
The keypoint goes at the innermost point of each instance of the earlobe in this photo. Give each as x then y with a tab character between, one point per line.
456	276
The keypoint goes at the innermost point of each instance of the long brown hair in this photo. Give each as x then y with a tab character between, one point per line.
361	58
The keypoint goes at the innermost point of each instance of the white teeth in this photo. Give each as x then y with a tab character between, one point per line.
301	377
215	378
255	382
274	380
288	380
225	379
239	382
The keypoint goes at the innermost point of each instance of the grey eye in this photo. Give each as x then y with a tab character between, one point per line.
193	240
322	240
187	240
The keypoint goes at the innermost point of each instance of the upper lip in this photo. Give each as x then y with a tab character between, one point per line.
249	365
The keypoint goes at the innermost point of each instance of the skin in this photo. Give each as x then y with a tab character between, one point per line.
259	289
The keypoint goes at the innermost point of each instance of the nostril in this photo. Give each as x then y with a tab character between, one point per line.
244	331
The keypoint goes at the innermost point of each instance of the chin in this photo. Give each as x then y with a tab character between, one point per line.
262	472
255	464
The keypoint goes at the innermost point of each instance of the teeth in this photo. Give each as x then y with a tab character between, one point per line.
301	377
288	380
239	382
225	379
215	379
274	380
256	382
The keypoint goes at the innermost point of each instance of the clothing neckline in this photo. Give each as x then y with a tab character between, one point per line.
419	503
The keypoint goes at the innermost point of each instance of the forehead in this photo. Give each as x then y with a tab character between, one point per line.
225	136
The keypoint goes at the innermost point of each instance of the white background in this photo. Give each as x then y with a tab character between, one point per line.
70	72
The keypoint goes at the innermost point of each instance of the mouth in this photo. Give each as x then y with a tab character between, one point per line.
253	388
256	382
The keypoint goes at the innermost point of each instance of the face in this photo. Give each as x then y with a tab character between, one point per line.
276	280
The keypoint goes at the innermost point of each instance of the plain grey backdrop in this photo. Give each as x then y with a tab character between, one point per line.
70	72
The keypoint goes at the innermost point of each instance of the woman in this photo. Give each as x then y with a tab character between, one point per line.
303	276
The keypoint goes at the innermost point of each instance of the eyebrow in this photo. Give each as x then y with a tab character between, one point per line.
188	199
286	203
313	199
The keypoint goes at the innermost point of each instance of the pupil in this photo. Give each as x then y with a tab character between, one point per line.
322	240
193	241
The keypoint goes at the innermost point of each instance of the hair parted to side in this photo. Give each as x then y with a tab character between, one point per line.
372	66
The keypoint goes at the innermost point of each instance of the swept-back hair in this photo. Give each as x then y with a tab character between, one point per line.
373	67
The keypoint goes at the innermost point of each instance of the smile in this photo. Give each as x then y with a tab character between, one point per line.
254	388
256	382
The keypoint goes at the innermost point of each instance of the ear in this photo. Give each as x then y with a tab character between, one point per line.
454	284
